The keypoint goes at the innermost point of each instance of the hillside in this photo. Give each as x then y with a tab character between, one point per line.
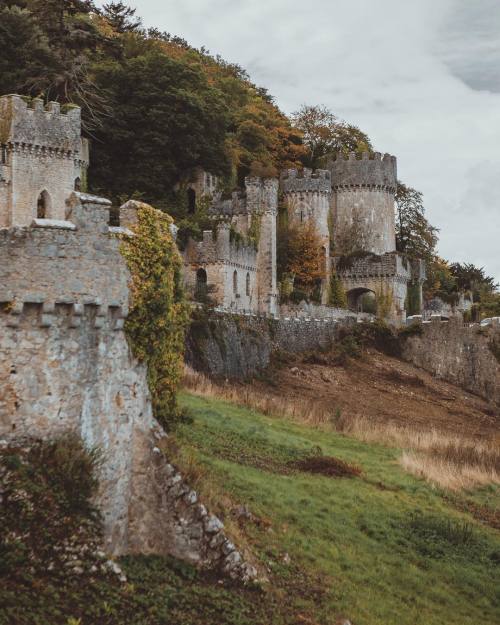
336	528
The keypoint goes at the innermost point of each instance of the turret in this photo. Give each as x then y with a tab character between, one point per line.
42	159
262	206
363	202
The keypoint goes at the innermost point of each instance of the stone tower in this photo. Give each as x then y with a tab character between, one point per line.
42	160
307	195
262	204
363	203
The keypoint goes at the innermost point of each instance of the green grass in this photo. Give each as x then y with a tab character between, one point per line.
383	548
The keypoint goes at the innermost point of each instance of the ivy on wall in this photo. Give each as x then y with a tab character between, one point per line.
159	314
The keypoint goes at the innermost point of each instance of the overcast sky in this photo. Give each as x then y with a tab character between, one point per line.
421	78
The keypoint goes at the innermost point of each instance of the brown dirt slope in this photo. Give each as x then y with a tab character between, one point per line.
384	390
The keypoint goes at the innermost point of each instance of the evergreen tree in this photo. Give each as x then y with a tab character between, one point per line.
121	18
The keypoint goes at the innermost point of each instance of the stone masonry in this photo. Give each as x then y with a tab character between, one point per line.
42	159
65	365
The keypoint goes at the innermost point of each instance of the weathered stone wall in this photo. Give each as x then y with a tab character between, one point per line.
386	276
241	346
363	202
231	269
65	365
459	354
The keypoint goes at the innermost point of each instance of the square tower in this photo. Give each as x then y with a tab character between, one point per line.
42	160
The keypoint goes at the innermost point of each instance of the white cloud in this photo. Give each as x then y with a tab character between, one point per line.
420	78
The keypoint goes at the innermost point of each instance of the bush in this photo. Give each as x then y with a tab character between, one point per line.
69	469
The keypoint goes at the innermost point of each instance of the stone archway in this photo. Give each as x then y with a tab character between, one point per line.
362	299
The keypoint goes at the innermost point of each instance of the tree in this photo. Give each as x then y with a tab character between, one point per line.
414	234
325	134
169	124
337	296
306	260
121	18
473	279
25	50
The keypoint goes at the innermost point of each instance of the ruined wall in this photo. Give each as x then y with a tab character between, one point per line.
240	346
459	354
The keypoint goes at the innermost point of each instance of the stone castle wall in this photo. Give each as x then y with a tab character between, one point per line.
459	354
65	365
363	202
41	152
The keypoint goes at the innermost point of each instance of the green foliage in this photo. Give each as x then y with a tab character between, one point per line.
414	234
172	122
159	315
413	299
336	295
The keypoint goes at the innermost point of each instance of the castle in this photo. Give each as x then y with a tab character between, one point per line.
65	363
350	205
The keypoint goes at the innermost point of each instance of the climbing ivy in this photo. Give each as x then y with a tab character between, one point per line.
159	314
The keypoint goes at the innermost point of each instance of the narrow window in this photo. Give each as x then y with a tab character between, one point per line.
43	205
78	184
235	282
191	198
4	155
201	285
248	285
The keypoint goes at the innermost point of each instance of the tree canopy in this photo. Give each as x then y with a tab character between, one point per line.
325	134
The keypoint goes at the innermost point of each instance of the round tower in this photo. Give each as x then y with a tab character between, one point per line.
307	195
363	202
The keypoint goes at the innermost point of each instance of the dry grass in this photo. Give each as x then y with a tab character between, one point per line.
449	461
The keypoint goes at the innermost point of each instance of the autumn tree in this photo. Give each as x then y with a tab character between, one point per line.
306	257
325	134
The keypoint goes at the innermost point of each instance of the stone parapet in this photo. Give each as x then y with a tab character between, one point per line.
306	181
32	125
369	170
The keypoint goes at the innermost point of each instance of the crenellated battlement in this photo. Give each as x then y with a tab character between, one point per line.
365	170
32	312
306	181
29	124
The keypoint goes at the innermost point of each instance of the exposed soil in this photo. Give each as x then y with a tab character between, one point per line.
327	465
385	390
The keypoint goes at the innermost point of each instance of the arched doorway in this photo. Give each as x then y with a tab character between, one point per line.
201	288
362	300
43	206
78	184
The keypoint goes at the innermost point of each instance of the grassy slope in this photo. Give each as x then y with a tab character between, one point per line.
377	549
